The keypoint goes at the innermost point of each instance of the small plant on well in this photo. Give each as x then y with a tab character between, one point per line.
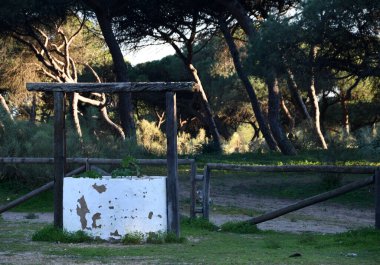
52	234
134	238
239	227
129	168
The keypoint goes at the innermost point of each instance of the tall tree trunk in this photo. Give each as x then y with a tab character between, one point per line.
241	15
121	71
299	103
274	96
256	106
314	99
206	107
4	105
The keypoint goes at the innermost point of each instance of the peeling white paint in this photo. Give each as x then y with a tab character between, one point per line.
110	208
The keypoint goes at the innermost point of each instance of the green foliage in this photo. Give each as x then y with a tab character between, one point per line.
155	238
129	168
239	227
198	223
53	234
135	238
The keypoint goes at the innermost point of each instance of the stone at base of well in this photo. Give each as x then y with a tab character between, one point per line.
111	208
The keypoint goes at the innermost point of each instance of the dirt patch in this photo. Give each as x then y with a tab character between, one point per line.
320	218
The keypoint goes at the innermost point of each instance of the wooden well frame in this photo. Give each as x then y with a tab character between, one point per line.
169	88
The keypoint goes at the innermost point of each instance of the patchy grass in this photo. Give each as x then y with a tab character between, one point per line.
232	210
204	247
239	227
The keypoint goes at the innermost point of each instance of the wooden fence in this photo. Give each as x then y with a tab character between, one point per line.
86	165
366	170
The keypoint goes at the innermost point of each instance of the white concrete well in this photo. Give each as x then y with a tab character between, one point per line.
109	208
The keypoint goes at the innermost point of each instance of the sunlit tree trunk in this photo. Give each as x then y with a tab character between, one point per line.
5	106
314	99
345	114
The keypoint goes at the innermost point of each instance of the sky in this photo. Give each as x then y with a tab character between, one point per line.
149	53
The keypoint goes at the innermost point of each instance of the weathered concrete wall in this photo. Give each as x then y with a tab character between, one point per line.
110	208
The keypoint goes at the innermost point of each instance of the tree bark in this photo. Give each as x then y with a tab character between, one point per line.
256	106
121	71
314	98
283	142
299	103
206	107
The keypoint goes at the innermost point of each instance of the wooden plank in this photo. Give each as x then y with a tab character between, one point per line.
37	191
26	197
172	164
193	174
206	192
79	160
296	168
59	156
114	87
377	198
313	200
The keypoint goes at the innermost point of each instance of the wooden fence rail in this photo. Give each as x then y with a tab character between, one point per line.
375	179
88	165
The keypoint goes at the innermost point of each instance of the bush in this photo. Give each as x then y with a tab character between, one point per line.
52	234
135	238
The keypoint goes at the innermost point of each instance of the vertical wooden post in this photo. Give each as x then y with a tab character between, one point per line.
206	192
193	175
172	164
377	198
59	156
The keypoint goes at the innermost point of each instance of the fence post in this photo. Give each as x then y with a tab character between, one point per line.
59	156
193	175
206	192
172	164
377	198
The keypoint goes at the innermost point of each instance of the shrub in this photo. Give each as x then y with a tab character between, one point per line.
52	234
135	238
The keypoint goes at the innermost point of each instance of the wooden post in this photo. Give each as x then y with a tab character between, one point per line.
206	192
59	156
377	198
193	175
172	164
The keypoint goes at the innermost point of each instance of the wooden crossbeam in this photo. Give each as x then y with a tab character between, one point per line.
114	87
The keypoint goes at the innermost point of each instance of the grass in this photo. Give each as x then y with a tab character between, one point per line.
239	227
204	246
